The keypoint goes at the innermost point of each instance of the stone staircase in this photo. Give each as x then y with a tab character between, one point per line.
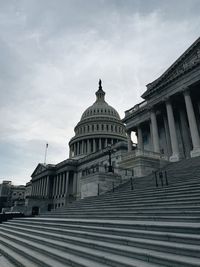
145	227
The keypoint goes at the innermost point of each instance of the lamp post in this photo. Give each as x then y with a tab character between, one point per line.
110	168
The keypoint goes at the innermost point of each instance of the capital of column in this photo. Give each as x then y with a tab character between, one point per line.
186	91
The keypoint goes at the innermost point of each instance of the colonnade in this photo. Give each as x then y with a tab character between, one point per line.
40	187
170	129
92	145
60	185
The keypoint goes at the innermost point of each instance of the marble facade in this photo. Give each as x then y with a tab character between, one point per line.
167	122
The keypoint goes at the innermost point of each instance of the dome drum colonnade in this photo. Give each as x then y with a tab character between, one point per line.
100	126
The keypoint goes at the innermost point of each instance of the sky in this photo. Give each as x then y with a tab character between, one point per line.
53	53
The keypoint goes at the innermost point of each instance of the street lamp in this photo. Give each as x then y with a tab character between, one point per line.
110	167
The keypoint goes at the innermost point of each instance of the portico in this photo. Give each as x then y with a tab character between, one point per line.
167	121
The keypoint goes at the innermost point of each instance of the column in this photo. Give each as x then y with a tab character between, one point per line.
155	136
185	133
129	141
106	142
139	138
75	149
94	145
33	189
167	136
172	131
82	147
63	183
47	187
66	183
192	124
78	148
56	186
42	186
39	187
100	144
88	146
70	152
60	184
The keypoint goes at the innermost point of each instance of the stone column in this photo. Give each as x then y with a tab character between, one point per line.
94	145
192	124
60	184
172	131
42	186
129	141
187	146
47	187
155	135
82	147
33	189
167	136
39	187
88	146
66	183
54	186
78	148
100	144
106	142
139	138
56	189
63	183
70	152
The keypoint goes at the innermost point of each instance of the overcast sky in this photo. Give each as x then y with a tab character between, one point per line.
52	53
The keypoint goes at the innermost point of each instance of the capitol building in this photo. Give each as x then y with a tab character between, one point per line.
93	166
102	154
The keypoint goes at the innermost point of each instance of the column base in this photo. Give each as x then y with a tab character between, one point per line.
174	158
195	152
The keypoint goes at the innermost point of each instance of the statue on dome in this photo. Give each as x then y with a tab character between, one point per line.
100	86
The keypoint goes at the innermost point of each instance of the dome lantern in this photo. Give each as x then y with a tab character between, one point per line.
100	94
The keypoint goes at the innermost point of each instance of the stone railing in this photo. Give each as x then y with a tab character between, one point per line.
135	108
144	153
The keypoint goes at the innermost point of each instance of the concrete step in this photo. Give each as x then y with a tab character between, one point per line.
62	223
77	255
133	217
142	199
145	202
162	206
5	262
131	208
23	256
158	245
113	235
127	213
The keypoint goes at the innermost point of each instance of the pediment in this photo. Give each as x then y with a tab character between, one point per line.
187	61
40	168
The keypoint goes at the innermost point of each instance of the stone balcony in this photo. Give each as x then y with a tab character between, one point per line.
143	162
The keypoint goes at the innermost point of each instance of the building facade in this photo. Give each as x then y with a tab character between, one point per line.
167	122
92	168
102	154
11	195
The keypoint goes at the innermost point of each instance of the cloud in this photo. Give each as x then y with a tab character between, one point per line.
54	52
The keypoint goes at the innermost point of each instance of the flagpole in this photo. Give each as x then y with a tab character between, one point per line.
45	155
